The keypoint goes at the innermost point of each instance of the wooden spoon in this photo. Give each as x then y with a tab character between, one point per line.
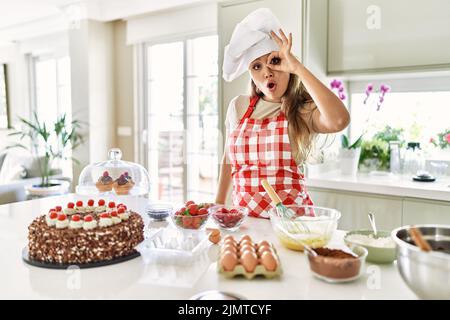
418	239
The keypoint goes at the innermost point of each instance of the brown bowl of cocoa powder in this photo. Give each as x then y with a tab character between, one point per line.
335	265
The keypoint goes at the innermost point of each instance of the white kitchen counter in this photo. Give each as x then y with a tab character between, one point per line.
134	280
391	185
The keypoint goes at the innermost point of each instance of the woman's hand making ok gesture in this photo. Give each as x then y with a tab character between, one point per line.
283	60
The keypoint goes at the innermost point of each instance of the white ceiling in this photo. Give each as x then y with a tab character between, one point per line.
15	13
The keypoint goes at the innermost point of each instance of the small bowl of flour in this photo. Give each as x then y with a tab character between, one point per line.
381	248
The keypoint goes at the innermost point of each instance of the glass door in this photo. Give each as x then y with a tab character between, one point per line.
182	119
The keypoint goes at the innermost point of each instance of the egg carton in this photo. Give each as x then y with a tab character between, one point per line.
260	270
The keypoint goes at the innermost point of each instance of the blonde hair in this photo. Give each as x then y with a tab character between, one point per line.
293	105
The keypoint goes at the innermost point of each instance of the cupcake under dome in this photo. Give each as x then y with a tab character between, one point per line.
114	177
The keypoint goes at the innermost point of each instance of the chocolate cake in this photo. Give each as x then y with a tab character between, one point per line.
80	235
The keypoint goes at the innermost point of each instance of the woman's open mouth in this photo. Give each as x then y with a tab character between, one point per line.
272	86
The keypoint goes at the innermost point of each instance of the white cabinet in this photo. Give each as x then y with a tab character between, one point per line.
420	212
371	35
354	208
391	212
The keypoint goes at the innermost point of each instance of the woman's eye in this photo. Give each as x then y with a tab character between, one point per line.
275	61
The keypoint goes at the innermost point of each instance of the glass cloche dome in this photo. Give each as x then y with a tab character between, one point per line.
114	177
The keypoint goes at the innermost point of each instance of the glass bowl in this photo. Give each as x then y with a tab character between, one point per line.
158	211
185	221
335	270
228	218
311	225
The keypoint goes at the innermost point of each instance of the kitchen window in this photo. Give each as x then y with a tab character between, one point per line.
52	95
415	106
4	123
52	87
182	118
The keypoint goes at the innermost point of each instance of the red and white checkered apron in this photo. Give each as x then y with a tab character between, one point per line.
260	149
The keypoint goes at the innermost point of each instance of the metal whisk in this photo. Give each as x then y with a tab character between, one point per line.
287	215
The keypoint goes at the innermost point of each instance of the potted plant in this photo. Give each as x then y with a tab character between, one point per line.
375	153
349	153
47	144
442	140
441	153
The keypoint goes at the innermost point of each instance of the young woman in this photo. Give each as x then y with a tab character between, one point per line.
270	132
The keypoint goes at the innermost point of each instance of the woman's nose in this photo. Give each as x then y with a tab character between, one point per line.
267	72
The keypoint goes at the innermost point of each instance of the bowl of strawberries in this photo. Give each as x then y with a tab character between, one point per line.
191	216
228	217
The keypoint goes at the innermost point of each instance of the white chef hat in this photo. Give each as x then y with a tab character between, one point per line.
250	40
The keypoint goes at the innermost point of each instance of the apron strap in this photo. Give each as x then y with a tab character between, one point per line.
251	107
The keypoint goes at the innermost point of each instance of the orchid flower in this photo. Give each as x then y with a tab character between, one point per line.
336	84
383	90
369	90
